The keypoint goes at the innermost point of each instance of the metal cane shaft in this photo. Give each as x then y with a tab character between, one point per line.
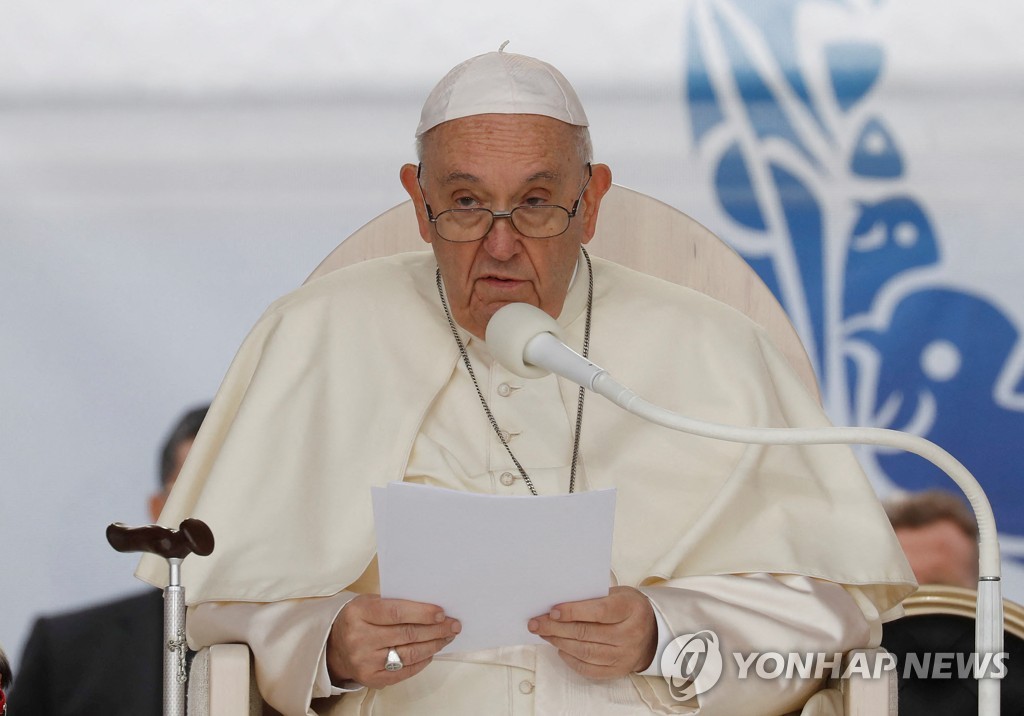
174	651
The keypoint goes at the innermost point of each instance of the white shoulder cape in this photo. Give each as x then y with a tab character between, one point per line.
326	396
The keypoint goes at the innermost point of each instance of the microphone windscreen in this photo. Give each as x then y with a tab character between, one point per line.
511	328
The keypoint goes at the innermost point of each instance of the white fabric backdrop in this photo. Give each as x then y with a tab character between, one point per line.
168	170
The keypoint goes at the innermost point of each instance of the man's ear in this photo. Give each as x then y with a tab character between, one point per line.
412	188
600	183
156	504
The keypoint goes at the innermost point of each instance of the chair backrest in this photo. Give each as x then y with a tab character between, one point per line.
957	601
934	638
634	230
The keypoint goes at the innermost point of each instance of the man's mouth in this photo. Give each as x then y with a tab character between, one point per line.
501	281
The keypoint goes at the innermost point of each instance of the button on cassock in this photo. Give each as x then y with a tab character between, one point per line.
507	478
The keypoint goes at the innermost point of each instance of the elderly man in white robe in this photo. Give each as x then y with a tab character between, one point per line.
380	372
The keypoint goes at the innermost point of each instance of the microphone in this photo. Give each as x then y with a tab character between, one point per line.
527	341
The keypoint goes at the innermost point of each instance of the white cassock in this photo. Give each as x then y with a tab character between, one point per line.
355	380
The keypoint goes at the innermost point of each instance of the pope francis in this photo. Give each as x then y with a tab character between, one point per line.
379	372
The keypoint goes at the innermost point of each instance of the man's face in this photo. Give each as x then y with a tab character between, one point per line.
157	500
500	162
940	553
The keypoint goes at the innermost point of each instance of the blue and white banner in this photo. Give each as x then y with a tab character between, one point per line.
807	145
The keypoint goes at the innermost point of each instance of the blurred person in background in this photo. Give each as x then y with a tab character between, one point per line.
5	681
105	659
939	534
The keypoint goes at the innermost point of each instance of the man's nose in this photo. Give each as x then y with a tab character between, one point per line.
503	241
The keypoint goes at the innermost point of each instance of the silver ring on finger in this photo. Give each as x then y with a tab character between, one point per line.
393	662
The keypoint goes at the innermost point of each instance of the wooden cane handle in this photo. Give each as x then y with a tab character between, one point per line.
191	536
198	536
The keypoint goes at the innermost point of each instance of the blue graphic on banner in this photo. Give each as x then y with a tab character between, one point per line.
932	373
813	190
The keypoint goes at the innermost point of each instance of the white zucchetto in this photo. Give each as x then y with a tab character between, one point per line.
502	83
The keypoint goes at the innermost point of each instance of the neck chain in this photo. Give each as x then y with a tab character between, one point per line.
483	401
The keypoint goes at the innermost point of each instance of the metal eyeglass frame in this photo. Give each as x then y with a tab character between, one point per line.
571	213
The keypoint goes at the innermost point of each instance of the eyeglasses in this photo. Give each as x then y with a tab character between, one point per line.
534	221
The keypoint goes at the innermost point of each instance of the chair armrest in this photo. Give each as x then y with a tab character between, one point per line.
869	688
221	682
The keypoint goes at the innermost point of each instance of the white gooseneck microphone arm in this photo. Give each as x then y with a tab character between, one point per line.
525	340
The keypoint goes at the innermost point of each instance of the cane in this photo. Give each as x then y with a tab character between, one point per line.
191	536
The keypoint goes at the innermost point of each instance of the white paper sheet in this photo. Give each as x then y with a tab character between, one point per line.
492	562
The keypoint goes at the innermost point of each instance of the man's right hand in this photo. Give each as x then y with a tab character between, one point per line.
368	626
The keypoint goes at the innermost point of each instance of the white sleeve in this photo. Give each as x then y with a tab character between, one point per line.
288	640
757	614
664	637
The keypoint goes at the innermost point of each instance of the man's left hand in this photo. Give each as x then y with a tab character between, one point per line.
602	638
